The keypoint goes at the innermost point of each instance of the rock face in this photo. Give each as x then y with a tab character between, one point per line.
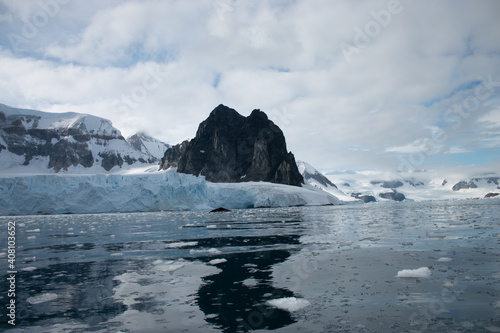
229	147
364	198
63	140
394	195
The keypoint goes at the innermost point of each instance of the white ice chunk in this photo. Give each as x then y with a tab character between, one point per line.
289	304
217	261
211	251
29	269
178	245
445	259
42	298
419	273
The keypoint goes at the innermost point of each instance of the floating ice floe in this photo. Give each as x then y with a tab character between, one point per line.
178	245
217	261
211	251
419	273
445	259
289	304
29	269
42	298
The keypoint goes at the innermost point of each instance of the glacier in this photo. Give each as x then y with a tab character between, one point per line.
143	192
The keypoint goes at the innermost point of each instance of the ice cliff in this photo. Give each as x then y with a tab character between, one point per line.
112	193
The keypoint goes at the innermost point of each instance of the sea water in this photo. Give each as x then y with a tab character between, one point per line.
392	267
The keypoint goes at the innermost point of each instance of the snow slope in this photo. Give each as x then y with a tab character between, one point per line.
141	192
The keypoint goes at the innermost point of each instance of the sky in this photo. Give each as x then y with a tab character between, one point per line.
354	85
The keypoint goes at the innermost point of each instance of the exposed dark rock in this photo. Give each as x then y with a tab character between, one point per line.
464	185
394	195
220	209
110	160
444	182
415	184
173	155
491	195
388	184
346	184
229	147
489	180
363	197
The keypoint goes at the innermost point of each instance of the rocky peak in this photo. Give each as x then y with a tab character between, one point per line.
229	147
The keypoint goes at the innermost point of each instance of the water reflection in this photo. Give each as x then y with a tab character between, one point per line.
235	299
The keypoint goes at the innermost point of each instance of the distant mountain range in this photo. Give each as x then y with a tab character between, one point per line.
227	148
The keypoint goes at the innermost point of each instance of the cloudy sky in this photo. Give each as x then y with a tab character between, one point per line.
354	85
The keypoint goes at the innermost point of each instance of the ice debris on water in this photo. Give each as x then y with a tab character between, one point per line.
444	259
42	298
217	261
419	273
289	304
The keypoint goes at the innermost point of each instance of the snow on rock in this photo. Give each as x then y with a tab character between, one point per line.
419	273
289	304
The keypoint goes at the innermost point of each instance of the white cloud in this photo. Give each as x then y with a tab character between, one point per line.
283	57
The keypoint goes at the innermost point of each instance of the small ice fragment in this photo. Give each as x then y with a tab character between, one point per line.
34	230
495	304
178	245
29	269
30	237
211	226
448	285
157	262
250	282
117	254
42	298
217	261
493	329
211	251
445	259
289	304
419	273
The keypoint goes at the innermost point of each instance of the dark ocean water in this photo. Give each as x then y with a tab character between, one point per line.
303	269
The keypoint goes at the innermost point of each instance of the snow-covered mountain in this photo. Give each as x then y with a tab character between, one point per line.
39	142
418	186
148	145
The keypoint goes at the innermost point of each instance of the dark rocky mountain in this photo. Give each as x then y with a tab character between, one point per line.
59	141
363	197
473	183
394	195
229	147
